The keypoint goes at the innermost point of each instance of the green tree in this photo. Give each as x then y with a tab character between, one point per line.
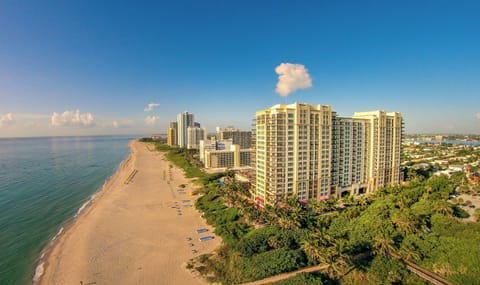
406	222
458	177
442	207
476	214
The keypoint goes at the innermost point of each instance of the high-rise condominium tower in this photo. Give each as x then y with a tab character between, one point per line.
172	138
184	120
293	152
307	151
384	147
242	138
194	136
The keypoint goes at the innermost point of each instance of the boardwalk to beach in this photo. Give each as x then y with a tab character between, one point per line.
135	232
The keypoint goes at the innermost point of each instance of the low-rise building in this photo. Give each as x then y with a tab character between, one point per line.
212	144
234	157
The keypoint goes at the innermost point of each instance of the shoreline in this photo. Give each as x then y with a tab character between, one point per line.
128	230
41	263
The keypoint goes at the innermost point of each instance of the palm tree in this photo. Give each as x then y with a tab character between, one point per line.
442	207
323	249
402	203
287	221
338	263
383	244
312	249
315	206
331	204
410	254
310	220
405	222
476	214
363	202
273	242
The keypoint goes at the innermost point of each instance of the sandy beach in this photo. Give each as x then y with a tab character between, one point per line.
135	231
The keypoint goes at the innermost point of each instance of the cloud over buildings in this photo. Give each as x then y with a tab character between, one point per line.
477	115
6	120
292	77
150	107
151	120
72	119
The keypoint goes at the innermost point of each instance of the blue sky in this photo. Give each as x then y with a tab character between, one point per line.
92	67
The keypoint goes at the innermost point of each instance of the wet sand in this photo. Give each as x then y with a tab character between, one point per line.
135	231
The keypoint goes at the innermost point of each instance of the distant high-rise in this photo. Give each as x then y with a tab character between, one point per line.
184	120
172	138
242	138
307	151
194	136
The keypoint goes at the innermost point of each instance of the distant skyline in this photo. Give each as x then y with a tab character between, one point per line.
124	67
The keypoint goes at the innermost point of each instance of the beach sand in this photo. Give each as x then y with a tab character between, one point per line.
134	233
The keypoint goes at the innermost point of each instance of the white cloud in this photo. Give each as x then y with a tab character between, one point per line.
119	124
151	106
6	120
292	77
478	116
151	120
72	118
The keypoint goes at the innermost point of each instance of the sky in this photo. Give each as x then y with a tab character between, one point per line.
129	67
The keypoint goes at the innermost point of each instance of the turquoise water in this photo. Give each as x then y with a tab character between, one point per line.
43	183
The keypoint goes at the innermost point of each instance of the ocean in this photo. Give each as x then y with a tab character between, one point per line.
44	182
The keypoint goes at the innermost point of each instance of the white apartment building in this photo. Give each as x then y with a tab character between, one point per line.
212	144
184	121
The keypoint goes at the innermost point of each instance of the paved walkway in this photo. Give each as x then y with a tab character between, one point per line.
287	275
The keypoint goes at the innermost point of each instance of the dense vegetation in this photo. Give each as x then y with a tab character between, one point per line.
184	159
306	278
354	238
145	139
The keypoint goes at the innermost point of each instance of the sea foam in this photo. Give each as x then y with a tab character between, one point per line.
38	272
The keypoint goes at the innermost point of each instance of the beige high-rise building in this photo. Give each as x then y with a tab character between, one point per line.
384	147
293	152
172	139
307	151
